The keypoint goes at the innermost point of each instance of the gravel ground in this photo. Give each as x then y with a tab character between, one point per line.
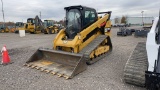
106	74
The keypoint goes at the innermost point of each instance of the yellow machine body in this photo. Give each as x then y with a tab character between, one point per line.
4	29
34	25
20	26
73	50
49	27
76	45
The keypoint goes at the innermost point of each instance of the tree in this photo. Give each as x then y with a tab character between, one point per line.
62	22
123	19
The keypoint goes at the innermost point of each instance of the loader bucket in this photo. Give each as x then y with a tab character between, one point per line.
63	64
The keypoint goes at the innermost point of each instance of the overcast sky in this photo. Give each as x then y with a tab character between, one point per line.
20	10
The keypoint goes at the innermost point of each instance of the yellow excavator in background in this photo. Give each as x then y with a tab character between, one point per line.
49	27
20	26
34	25
85	40
4	28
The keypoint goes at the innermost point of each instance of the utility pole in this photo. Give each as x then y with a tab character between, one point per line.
3	14
142	18
40	14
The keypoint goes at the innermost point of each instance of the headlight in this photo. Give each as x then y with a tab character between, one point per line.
107	30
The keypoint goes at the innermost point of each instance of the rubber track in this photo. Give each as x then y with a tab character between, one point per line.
137	64
91	47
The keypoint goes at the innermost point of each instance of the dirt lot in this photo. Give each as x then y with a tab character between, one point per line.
106	74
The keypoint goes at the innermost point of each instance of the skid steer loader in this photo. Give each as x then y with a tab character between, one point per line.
34	25
49	27
85	40
143	66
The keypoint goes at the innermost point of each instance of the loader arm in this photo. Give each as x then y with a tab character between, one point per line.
38	24
95	25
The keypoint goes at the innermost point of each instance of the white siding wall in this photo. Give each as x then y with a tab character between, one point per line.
138	20
113	21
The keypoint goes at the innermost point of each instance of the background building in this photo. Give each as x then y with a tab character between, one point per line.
134	20
139	20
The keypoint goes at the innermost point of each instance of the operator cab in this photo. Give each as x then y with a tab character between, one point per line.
78	18
19	24
48	23
1	27
30	20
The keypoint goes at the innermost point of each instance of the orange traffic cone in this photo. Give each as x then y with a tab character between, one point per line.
5	56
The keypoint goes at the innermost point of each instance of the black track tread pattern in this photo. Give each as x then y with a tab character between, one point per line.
91	47
137	64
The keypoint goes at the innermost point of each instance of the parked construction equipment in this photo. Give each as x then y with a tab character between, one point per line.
86	39
124	32
49	27
141	33
4	28
19	26
34	25
143	66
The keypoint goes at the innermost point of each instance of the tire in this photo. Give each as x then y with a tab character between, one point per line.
50	31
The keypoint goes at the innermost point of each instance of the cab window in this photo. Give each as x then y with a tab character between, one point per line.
90	17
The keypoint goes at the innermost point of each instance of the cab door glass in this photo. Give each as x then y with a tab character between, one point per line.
89	17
